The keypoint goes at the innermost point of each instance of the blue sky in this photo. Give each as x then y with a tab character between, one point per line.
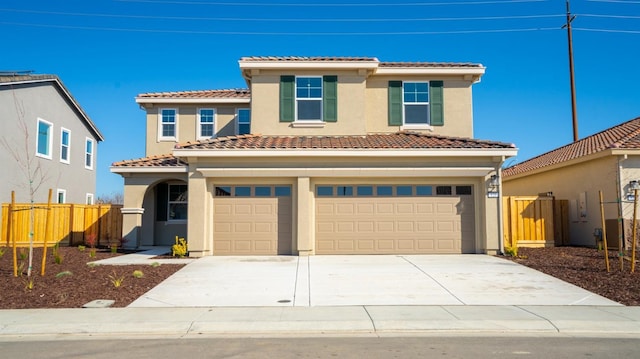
108	51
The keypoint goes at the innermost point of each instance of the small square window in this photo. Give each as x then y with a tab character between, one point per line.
263	191
324	191
243	191
224	191
424	190
404	190
443	190
463	190
283	191
365	190
344	191
384	190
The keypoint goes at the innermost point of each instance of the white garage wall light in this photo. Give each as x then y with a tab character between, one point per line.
633	186
492	189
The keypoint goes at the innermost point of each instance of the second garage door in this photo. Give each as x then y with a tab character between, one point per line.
252	220
394	219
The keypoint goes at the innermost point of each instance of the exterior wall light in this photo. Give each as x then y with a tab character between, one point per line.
492	190
631	190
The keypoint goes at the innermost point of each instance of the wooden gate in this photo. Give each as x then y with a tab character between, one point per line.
532	221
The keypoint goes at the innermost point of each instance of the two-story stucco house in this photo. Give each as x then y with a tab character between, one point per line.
41	121
320	155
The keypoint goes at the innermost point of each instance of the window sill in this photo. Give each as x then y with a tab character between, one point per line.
167	139
308	124
416	127
43	156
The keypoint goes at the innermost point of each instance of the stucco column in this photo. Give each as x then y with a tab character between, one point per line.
199	223
131	226
305	232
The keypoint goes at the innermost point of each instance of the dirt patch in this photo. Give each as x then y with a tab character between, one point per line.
585	267
72	283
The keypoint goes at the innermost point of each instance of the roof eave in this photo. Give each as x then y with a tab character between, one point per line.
193	100
575	161
148	169
414	153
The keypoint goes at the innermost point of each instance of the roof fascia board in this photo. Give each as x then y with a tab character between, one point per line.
192	100
489	152
267	65
149	169
477	71
348	172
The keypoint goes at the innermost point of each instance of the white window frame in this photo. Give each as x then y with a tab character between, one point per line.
89	198
199	123
62	192
161	137
238	119
409	126
62	145
320	99
169	202
92	154
49	139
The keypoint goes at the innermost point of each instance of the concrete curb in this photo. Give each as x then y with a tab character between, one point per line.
319	321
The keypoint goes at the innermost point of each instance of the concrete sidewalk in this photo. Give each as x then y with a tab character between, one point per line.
55	324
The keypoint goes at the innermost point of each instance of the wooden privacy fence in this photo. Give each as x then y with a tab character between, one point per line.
72	223
532	221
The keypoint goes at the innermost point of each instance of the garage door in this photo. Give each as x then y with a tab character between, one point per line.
252	220
394	219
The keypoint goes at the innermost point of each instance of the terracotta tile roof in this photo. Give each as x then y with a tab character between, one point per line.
225	94
306	58
152	161
428	64
622	136
400	140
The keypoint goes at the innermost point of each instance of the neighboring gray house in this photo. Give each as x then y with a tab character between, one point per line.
39	119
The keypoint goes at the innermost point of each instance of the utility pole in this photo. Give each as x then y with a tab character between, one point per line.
574	113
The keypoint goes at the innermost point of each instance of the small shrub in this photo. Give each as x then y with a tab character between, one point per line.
81	248
155	264
180	248
22	254
92	253
29	284
58	258
91	240
116	279
63	274
511	251
138	274
2	250
114	248
56	249
92	264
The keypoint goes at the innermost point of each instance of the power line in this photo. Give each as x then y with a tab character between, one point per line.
617	1
152	17
607	30
486	2
611	16
197	32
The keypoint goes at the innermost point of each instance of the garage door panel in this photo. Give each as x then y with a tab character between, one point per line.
398	225
252	225
345	208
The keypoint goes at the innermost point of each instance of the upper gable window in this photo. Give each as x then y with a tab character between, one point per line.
43	140
88	154
167	128
416	103
309	98
244	121
65	144
206	123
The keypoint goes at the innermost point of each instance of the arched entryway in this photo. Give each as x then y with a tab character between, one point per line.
165	213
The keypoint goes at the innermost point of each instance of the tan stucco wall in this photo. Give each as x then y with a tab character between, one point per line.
225	124
567	183
458	111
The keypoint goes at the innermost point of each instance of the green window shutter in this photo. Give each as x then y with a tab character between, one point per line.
395	103
436	103
330	98
287	98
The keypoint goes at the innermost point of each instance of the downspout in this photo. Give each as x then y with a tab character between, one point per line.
500	214
619	200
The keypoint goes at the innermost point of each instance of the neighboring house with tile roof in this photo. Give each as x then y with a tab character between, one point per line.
320	155
608	161
60	138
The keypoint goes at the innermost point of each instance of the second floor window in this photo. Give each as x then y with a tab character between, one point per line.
88	154
43	140
65	143
309	98
206	123
416	103
244	121
168	120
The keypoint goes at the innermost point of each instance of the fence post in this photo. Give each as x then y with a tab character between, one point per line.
47	233
71	219
13	234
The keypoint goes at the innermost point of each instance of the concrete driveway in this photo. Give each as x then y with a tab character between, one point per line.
362	280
